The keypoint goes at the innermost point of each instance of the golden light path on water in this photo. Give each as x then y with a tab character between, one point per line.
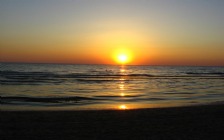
122	87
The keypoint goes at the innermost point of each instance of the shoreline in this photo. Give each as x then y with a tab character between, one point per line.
117	108
191	122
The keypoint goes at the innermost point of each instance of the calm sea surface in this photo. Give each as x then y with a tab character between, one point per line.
81	87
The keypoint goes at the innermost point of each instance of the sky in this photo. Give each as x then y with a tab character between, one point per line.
149	32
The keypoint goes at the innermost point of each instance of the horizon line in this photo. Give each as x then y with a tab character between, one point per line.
55	63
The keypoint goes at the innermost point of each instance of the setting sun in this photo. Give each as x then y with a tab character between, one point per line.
122	58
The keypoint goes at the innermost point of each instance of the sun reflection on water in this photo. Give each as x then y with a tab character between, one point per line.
122	107
121	86
122	70
122	94
121	80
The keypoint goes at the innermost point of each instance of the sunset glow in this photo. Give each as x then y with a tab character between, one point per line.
135	32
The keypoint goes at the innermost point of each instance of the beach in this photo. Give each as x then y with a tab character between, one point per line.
194	122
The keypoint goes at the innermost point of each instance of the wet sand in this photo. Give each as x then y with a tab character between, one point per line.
197	122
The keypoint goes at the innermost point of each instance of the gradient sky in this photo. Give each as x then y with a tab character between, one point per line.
152	32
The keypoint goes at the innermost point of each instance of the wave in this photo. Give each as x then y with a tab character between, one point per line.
16	74
113	96
45	75
206	73
38	78
77	100
47	100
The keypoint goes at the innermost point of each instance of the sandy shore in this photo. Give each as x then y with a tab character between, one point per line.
199	122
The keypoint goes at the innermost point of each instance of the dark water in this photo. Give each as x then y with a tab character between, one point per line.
80	87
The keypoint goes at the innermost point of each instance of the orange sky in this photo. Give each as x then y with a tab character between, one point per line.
96	32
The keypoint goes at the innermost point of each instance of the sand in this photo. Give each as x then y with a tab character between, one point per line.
181	123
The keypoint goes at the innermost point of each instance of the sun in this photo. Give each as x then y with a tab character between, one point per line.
122	58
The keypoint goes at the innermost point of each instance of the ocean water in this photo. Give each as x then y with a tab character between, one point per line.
86	87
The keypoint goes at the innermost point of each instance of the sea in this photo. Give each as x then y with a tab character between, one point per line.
107	87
